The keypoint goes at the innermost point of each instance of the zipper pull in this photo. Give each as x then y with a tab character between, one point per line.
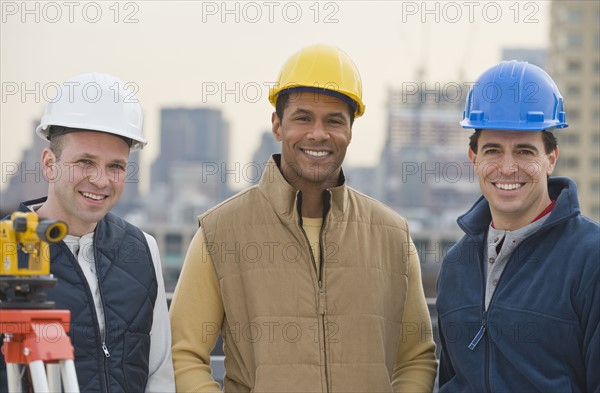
322	303
105	349
479	334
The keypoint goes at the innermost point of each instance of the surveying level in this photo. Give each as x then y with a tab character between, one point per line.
20	285
34	336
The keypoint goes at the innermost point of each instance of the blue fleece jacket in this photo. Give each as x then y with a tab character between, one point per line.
541	332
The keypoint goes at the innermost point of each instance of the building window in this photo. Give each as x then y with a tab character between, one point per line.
573	66
571	139
573	90
573	115
574	16
596	164
574	40
596	137
570	162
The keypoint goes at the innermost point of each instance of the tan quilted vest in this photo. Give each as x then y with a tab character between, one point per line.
284	331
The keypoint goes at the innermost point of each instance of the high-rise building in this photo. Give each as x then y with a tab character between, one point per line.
426	114
130	198
268	146
364	179
25	178
426	170
535	56
192	135
574	63
192	169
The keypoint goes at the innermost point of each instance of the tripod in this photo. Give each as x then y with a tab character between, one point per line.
36	337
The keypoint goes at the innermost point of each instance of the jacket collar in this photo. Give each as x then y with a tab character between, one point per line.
562	189
24	206
284	198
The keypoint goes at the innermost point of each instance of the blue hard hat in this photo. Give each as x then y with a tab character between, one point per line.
514	95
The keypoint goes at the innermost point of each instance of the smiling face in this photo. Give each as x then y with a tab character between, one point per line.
85	180
513	170
315	132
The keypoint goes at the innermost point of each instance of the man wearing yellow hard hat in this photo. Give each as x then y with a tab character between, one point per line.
313	286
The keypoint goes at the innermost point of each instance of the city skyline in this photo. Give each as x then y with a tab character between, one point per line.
221	55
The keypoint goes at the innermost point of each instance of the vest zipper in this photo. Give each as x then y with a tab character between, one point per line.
319	272
324	328
323	307
75	264
312	258
104	346
321	299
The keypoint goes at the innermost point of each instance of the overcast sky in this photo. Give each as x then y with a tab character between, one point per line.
225	54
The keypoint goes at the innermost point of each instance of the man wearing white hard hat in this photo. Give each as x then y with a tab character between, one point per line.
109	271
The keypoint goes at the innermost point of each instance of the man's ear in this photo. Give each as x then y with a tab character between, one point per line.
552	158
49	165
472	156
276	126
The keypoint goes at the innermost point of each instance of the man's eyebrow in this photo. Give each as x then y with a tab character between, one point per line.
119	161
526	146
301	111
94	157
491	145
85	155
309	112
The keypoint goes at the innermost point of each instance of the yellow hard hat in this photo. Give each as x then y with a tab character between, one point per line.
325	68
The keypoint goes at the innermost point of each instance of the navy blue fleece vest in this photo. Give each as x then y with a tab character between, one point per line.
128	287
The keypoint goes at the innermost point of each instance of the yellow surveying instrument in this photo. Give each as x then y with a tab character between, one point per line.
34	334
20	285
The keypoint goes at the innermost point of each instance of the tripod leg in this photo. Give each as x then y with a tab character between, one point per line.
38	376
53	371
13	374
69	376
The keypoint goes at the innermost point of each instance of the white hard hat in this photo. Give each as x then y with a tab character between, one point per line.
97	102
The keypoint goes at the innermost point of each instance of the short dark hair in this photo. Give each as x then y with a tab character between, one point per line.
56	145
550	142
282	101
56	133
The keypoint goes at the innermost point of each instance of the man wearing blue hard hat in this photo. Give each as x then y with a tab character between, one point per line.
519	294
